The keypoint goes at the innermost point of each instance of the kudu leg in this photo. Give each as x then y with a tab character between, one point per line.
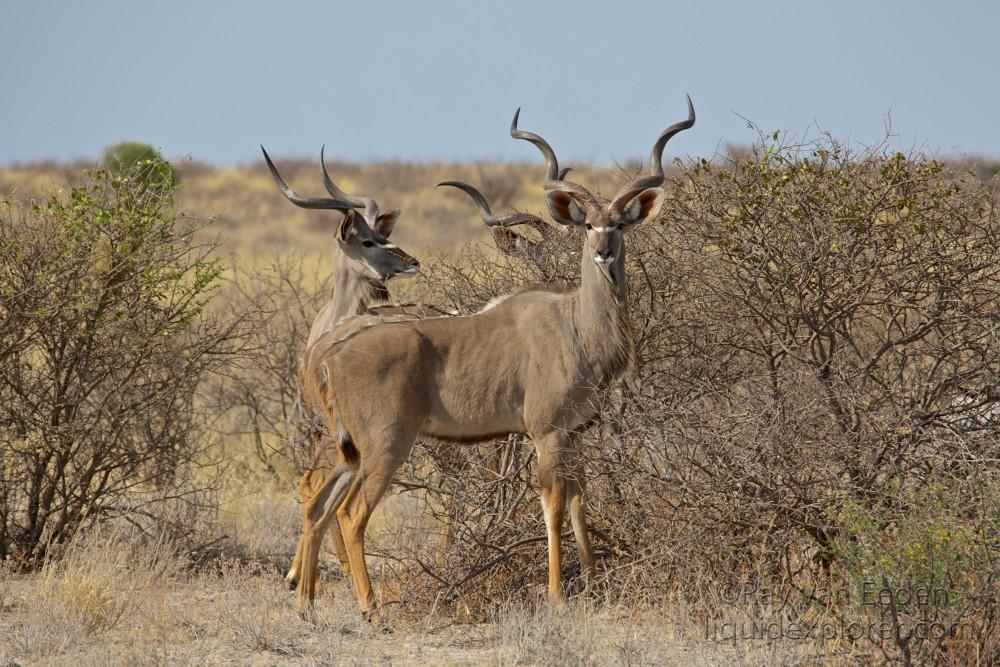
364	495
310	484
294	572
577	505
305	496
552	484
339	547
320	513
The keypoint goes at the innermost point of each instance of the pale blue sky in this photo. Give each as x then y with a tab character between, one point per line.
439	80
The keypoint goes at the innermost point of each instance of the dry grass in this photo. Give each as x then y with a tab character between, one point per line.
253	218
123	599
127	598
96	609
99	585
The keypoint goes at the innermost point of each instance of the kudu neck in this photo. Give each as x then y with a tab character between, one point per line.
601	316
354	293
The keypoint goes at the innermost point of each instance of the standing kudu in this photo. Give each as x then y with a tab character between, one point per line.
363	262
362	266
530	364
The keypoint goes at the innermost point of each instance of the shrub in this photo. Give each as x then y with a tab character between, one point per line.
818	340
923	571
141	162
104	343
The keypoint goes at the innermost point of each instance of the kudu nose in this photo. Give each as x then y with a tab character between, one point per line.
605	255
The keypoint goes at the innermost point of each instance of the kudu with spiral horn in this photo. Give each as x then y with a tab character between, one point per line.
532	364
500	226
363	262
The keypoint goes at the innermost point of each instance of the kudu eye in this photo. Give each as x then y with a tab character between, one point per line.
589	226
366	243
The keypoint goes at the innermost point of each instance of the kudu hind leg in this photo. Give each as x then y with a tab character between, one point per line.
339	547
366	491
307	498
311	483
306	495
577	506
320	514
294	572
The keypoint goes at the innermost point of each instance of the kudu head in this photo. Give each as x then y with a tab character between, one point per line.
605	224
363	238
507	240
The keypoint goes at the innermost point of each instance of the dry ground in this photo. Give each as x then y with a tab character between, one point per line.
246	617
124	599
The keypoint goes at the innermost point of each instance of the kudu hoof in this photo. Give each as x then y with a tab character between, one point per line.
379	623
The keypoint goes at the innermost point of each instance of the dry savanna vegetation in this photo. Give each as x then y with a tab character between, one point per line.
800	468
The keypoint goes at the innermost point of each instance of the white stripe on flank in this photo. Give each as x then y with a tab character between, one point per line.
495	301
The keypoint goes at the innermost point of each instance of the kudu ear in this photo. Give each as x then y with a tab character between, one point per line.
564	208
352	225
386	222
645	205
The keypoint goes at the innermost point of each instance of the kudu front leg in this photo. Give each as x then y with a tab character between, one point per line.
552	486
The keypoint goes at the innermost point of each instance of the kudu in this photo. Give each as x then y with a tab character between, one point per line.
361	270
506	239
531	364
363	262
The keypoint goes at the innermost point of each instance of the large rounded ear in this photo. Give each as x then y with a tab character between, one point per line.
353	225
564	208
385	222
644	205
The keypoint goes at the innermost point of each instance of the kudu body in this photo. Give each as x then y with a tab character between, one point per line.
530	364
